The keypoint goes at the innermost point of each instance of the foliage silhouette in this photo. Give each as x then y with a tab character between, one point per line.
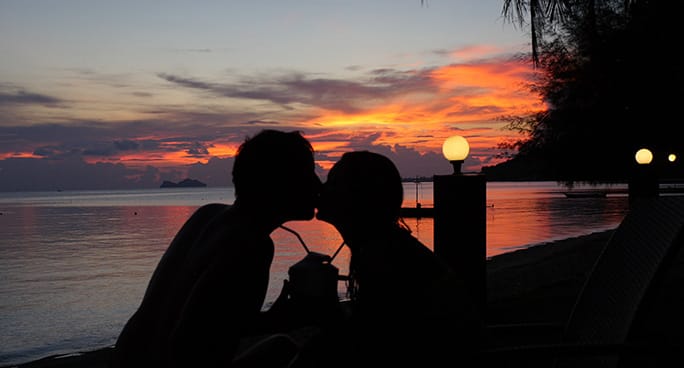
606	72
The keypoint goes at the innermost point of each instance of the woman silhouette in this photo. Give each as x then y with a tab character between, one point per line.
404	299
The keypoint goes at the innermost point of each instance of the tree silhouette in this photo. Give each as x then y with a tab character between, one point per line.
610	77
545	16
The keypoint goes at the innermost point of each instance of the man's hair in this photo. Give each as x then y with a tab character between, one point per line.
266	157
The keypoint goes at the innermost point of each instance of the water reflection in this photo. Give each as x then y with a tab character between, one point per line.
71	275
67	272
520	214
554	219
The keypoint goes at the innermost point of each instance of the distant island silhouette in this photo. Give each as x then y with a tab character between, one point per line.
185	183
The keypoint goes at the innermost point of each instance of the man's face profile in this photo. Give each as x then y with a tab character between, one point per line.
302	189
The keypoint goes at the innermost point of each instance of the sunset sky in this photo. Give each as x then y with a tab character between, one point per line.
101	94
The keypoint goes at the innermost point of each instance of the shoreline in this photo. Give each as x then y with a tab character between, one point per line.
533	284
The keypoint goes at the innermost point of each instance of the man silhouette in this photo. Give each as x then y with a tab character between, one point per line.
210	284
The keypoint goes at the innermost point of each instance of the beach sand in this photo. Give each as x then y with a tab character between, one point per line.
536	284
541	283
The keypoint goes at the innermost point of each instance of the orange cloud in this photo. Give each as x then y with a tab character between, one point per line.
474	51
6	155
467	99
223	150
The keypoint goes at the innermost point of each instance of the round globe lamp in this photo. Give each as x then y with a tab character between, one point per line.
672	157
456	149
643	156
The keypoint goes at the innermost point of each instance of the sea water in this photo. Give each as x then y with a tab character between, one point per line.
74	265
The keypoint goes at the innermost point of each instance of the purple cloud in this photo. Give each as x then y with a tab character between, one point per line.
27	98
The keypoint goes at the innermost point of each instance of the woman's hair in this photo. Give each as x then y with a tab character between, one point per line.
266	157
374	182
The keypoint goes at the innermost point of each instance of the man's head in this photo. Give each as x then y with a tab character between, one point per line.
275	170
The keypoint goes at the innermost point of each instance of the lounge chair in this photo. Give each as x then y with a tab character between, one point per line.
607	323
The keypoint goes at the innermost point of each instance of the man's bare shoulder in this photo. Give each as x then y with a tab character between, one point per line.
211	209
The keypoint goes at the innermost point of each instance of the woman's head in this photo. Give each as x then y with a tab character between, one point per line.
363	188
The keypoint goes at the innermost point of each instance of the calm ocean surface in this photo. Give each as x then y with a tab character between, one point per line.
74	265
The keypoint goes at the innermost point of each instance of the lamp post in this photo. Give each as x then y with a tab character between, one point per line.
456	149
644	181
460	227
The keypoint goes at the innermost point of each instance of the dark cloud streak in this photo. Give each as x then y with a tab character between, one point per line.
27	98
347	96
